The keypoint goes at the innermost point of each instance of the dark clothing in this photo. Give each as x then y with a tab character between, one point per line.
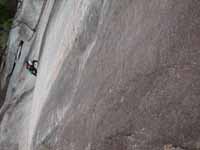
33	70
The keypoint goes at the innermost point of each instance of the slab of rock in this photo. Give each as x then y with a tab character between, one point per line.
113	75
129	79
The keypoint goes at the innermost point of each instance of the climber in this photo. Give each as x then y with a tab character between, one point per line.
32	66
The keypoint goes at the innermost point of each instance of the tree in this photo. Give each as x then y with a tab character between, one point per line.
7	11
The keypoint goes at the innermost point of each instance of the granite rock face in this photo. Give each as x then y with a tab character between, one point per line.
113	75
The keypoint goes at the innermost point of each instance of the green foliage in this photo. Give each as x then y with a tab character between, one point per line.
3	2
5	22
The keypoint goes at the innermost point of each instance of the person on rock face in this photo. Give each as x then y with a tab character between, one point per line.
32	66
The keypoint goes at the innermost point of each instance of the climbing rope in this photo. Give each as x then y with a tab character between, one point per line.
17	56
26	24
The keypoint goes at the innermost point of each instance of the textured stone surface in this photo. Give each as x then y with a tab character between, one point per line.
113	75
